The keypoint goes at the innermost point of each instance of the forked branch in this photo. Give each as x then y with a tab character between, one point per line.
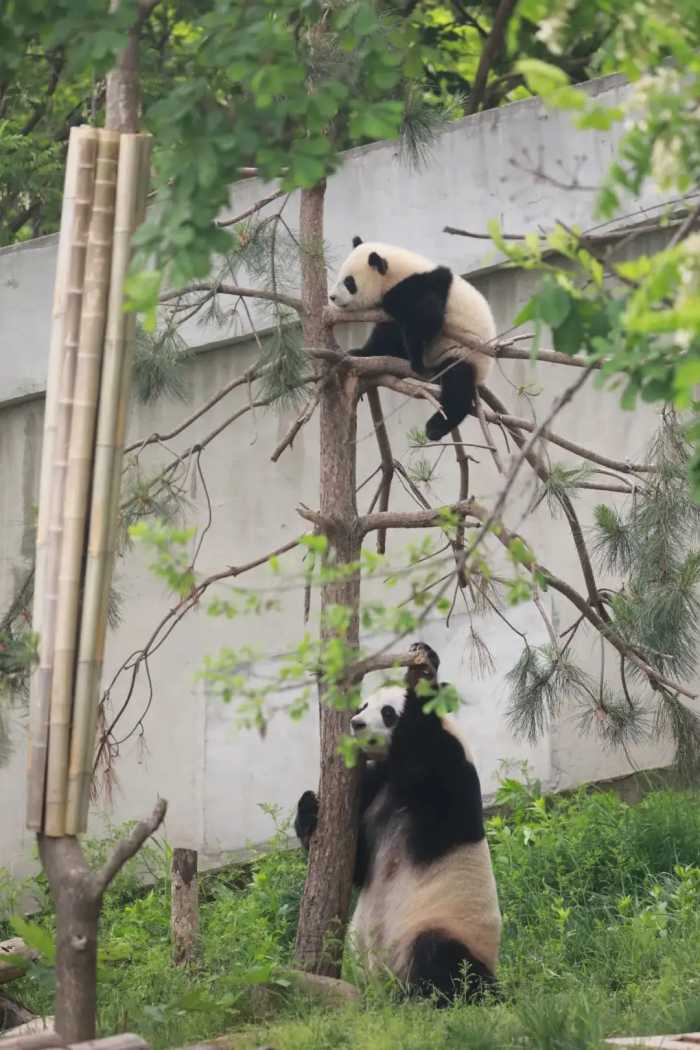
129	847
470	508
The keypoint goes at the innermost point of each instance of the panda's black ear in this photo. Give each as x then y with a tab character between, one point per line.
356	240
378	263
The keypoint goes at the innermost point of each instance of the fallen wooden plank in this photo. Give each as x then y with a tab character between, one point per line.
44	1038
14	955
684	1041
14	1014
37	1039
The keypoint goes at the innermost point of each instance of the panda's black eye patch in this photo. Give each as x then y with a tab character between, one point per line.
351	285
389	716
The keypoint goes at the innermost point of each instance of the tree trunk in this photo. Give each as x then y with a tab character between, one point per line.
123	97
326	899
77	894
77	900
184	907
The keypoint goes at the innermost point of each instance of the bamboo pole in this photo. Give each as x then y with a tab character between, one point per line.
134	152
80	456
68	294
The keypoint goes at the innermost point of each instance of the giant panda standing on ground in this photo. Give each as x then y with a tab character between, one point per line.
428	906
421	298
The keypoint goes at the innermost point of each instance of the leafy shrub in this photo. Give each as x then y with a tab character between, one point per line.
601	907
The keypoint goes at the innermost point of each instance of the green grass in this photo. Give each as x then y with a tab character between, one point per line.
601	907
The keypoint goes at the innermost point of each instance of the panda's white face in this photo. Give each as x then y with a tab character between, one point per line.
374	723
371	270
361	281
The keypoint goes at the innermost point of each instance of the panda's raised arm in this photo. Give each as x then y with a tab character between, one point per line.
374	776
435	780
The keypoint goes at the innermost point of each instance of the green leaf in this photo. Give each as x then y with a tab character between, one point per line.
141	292
527	313
35	936
553	304
600	118
541	77
569	336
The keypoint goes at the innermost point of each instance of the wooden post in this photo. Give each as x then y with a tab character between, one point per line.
184	907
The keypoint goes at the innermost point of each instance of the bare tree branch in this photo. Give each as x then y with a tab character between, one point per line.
301	420
381	662
528	452
500	349
527	446
387	458
490	52
410	387
252	210
456	232
222	288
686	226
429	518
130	846
254	372
487	436
622	466
56	62
163	630
463	464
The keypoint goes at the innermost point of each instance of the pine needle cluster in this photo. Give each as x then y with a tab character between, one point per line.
651	545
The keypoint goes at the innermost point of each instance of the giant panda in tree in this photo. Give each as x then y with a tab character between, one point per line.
428	907
422	298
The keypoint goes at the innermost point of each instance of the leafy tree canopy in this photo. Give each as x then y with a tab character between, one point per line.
226	84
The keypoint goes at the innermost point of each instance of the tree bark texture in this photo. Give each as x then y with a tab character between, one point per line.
123	85
326	899
184	907
77	899
77	894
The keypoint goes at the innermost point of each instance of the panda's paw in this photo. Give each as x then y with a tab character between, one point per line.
427	669
306	818
437	427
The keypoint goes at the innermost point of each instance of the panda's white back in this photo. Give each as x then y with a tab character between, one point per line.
467	313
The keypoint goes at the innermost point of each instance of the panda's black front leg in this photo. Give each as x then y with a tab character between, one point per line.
457	398
419	308
386	340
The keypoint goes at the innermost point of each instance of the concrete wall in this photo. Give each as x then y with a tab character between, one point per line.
214	776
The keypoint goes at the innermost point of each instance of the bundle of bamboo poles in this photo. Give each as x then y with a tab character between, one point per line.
86	400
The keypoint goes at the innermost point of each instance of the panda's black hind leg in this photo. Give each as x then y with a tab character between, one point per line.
306	818
457	398
444	965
